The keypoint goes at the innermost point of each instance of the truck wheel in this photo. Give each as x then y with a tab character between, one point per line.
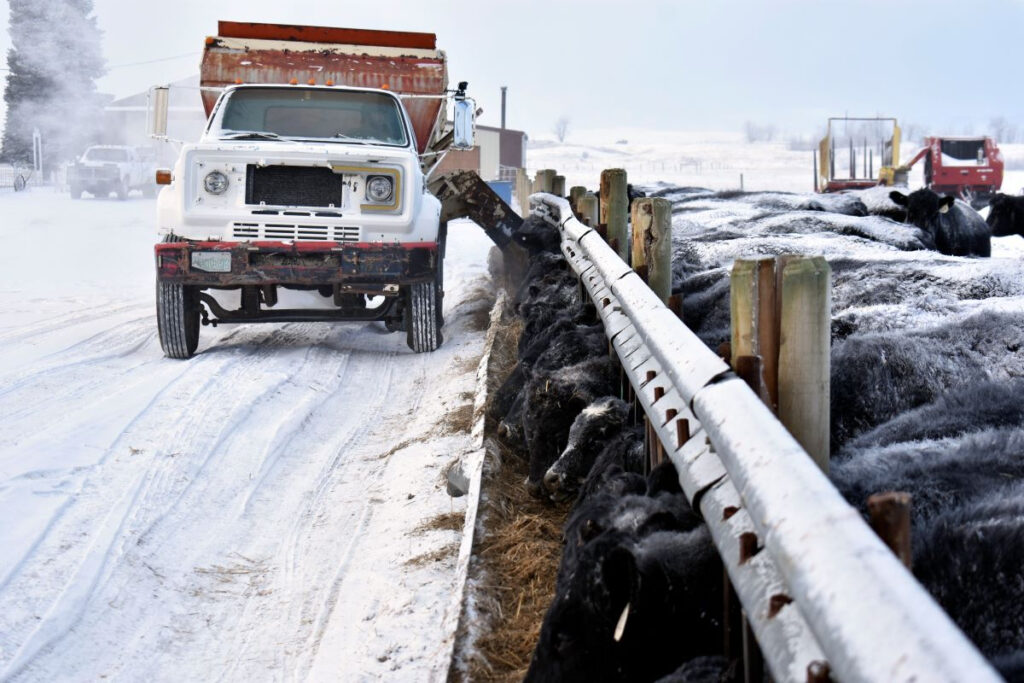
177	319
76	192
423	316
121	191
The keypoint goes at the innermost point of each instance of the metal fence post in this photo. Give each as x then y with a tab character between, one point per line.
890	518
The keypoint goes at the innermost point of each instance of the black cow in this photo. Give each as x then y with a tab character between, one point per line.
632	608
537	236
589	433
1006	215
952	227
552	401
970	557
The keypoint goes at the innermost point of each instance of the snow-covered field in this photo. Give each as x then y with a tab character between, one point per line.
714	160
275	508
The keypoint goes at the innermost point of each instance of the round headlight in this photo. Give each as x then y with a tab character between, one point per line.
215	182
379	188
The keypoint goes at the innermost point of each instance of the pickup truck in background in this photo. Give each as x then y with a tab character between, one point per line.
103	169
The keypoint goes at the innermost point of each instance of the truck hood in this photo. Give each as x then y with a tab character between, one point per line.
281	150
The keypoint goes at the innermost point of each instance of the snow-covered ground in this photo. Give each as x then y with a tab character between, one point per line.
714	160
274	508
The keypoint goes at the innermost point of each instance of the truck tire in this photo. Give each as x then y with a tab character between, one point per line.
121	191
76	192
423	316
177	319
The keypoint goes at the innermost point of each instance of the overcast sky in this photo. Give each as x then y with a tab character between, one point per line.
662	64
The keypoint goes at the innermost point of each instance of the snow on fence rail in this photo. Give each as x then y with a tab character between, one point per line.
823	594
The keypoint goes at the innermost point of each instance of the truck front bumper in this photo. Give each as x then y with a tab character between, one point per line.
367	267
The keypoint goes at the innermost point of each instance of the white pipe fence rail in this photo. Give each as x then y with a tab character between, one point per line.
816	584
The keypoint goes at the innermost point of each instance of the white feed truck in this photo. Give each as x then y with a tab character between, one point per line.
310	175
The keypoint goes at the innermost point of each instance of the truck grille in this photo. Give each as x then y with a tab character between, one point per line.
292	186
302	233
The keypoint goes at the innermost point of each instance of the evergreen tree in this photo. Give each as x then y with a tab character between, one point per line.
53	65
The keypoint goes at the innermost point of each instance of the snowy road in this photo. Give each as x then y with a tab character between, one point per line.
273	509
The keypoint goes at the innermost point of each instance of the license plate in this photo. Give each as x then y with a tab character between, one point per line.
212	261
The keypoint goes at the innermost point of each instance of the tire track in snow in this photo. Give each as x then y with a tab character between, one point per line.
201	400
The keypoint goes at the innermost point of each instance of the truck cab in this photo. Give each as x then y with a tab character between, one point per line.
318	186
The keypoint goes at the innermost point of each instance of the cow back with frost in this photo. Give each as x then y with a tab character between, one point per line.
955	229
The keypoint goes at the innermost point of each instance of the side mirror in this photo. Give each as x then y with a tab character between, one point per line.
158	101
464	118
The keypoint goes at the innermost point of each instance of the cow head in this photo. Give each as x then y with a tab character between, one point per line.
587	435
1005	215
923	207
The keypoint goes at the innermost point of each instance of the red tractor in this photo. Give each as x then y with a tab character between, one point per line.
970	168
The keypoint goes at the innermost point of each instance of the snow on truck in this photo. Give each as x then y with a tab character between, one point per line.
311	175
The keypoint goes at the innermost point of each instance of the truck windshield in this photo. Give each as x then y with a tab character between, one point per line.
302	114
105	154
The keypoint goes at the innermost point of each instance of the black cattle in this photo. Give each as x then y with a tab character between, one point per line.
877	376
970	408
541	265
537	236
663	479
562	344
714	669
970	557
1006	215
939	474
631	608
624	506
953	227
588	435
842	203
552	401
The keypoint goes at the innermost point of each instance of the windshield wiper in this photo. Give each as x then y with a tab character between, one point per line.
349	138
254	135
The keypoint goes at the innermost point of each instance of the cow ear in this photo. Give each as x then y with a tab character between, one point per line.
945	203
898	197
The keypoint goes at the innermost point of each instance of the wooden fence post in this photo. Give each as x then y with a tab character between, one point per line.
804	348
890	518
558	186
652	243
544	180
576	192
587	209
780	314
524	188
755	323
614	209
